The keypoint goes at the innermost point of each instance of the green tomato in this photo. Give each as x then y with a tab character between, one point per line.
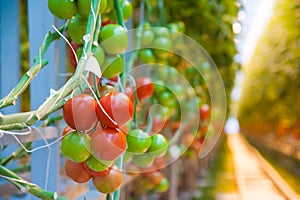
146	56
166	98
99	55
79	52
126	9
109	6
159	145
138	141
112	66
147	37
97	164
113	38
127	157
159	87
163	186
74	146
84	7
159	45
76	28
63	9
143	160
161	32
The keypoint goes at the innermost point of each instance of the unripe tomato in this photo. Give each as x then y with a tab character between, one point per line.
97	168
118	106
126	9
159	145
108	144
138	141
147	37
113	38
99	55
109	183
84	7
74	146
109	6
76	28
80	112
143	160
63	9
161	32
162	46
112	66
76	172
146	56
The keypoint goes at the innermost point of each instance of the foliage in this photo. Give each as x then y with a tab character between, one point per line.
209	22
272	81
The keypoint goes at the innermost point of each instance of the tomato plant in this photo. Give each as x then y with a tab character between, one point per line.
76	172
118	106
80	112
108	144
74	146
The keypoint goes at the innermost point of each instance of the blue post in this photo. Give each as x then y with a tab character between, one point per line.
40	21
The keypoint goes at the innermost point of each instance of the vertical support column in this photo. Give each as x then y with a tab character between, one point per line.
44	162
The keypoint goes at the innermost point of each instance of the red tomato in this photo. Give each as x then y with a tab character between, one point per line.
95	173
71	54
119	108
76	172
204	112
144	89
108	143
108	183
80	112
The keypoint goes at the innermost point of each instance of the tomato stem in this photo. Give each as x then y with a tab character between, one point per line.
25	186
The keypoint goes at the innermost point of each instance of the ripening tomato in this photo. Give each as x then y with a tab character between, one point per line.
76	172
74	146
109	183
154	177
63	9
119	108
163	186
80	112
108	144
113	38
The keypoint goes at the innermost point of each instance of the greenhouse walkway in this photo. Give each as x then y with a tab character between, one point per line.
256	178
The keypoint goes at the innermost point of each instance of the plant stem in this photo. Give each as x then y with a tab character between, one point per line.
15	154
39	63
22	184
